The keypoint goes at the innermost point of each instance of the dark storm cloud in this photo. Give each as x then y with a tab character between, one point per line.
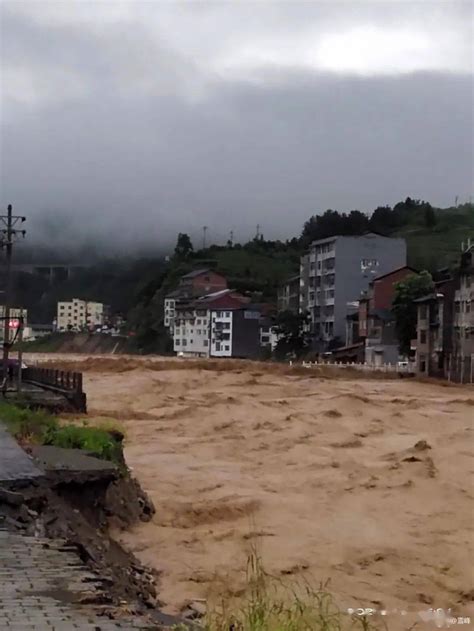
120	129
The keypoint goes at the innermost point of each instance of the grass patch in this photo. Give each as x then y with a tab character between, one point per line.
40	428
28	426
268	604
93	439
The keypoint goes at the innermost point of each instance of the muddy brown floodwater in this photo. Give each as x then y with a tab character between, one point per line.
368	483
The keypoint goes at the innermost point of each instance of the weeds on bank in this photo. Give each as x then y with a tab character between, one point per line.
270	605
28	426
40	428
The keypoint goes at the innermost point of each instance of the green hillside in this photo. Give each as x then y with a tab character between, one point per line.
439	245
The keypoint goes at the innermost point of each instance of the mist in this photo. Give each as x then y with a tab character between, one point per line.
118	131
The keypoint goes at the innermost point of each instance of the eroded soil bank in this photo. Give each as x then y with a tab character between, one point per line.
79	501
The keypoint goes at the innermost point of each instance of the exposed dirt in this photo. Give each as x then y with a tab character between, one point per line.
80	513
367	482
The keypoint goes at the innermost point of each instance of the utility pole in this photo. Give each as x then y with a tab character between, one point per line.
8	233
231	238
257	234
204	230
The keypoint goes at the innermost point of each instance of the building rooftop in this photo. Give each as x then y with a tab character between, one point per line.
369	233
196	272
394	271
382	314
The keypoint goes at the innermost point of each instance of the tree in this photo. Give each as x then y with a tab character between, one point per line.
184	246
430	217
404	307
290	329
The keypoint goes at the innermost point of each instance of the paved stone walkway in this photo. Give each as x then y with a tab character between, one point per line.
15	465
41	582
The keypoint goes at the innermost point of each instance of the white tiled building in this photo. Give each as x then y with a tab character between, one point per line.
221	333
77	315
221	324
191	332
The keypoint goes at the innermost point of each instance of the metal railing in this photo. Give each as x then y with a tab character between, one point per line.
405	368
65	382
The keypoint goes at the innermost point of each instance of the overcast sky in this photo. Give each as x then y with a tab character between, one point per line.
141	119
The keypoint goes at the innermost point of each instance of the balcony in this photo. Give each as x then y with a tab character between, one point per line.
375	334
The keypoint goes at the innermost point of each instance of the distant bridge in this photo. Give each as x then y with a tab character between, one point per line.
52	271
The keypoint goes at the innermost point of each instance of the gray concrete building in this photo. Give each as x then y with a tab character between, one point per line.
288	298
335	272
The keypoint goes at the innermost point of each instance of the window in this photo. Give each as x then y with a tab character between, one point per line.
227	314
457	307
369	262
198	331
423	337
177	342
191	341
185	342
226	336
198	321
226	347
206	342
468	307
218	346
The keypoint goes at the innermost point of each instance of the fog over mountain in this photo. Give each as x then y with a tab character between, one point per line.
123	123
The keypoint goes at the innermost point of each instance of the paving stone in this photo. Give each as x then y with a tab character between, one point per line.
39	587
15	464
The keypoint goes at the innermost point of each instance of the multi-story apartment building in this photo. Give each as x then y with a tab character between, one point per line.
192	324
197	283
304	284
335	272
289	295
376	320
435	330
78	315
222	324
463	339
445	325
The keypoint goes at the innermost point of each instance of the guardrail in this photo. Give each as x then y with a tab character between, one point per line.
408	369
64	382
